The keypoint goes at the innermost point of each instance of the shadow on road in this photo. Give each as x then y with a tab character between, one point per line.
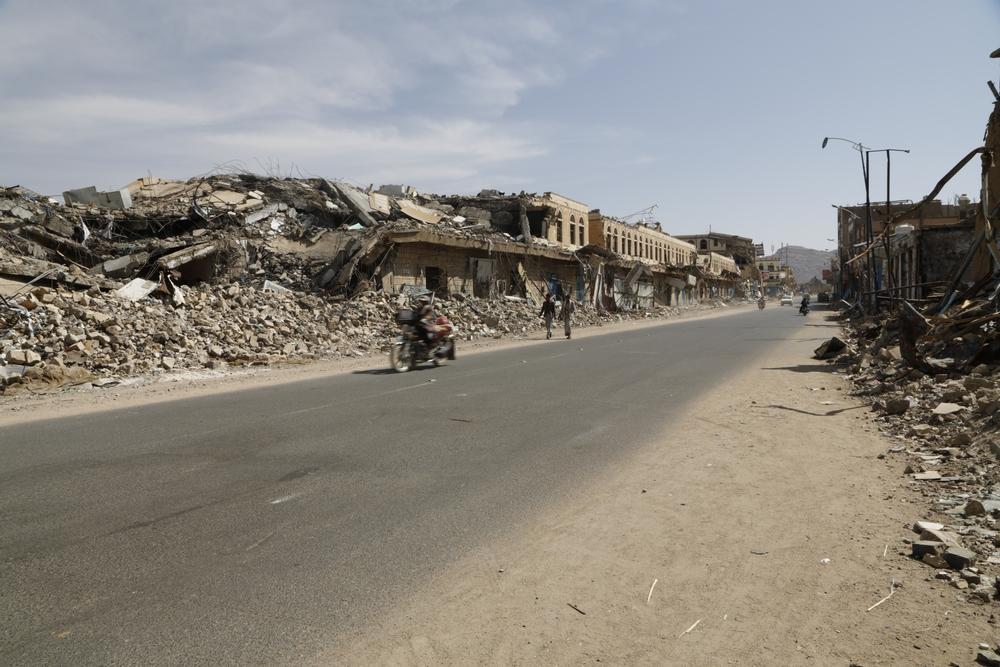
388	371
830	413
803	368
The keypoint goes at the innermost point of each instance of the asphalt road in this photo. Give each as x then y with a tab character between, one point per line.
263	525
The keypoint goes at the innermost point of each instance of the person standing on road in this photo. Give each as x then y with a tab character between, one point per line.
548	312
566	314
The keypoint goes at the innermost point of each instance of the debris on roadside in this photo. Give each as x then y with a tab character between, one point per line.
239	269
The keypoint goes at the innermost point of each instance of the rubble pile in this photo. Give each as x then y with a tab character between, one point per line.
231	269
64	337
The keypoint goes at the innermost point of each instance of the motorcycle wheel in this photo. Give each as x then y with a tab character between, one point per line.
401	357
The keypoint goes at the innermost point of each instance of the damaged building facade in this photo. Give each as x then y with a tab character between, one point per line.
918	253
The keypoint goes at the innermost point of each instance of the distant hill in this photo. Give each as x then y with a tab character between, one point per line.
806	262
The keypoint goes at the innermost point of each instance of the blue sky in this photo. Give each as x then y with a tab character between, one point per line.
713	110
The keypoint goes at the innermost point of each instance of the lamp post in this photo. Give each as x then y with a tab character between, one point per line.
861	148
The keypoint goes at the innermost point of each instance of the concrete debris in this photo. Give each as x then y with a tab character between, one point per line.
137	289
830	348
938	397
988	657
120	199
235	269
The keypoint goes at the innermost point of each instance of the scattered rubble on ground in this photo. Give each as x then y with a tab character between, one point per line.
89	335
933	382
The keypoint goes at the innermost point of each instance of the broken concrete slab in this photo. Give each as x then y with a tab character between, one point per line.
947	409
271	286
23	357
920	548
959	558
927	476
122	266
186	255
137	289
380	202
356	200
118	199
261	214
11	372
417	212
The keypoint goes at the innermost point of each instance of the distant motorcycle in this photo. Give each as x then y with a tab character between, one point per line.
760	303
410	348
804	309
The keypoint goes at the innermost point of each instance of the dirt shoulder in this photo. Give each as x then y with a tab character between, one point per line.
767	522
189	384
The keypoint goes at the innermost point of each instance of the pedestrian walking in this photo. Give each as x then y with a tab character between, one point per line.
566	314
548	312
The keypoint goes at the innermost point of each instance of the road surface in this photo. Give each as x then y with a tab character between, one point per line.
265	525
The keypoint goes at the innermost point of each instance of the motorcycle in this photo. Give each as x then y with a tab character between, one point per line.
410	348
760	303
804	309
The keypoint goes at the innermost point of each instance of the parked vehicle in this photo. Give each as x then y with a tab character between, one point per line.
410	347
823	297
786	299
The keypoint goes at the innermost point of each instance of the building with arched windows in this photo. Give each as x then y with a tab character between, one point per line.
647	243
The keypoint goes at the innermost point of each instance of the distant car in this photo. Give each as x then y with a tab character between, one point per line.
786	299
823	297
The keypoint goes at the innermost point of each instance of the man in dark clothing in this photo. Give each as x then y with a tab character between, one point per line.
548	312
566	314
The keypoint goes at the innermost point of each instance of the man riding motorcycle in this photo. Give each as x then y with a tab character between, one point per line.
427	324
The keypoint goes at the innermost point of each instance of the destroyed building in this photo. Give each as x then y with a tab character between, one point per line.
913	258
244	269
740	248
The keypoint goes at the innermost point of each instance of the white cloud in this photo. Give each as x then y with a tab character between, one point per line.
419	84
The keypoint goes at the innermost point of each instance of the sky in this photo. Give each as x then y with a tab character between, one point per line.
712	110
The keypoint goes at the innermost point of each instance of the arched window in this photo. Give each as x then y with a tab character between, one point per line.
704	244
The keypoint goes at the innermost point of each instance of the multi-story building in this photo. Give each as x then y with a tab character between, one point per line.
563	221
742	249
776	276
647	243
717	264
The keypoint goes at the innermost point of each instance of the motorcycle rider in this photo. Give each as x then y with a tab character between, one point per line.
804	306
425	321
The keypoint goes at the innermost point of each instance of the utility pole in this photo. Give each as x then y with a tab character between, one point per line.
888	214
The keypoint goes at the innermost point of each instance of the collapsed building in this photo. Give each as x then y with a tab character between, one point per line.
240	268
